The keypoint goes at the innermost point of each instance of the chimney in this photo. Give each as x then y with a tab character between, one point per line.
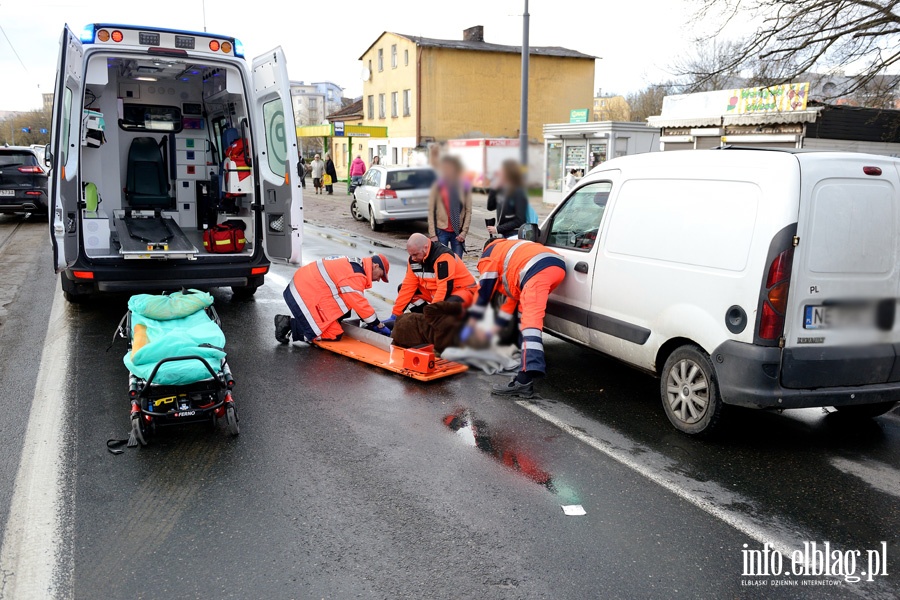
474	34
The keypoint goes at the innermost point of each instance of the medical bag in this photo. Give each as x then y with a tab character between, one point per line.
225	238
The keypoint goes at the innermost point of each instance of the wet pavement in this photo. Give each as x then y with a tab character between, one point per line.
348	481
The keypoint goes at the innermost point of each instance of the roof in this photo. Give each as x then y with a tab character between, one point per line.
352	110
424	42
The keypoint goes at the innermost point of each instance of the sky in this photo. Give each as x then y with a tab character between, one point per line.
637	39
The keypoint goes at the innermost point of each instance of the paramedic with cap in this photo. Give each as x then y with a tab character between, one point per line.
324	292
525	272
434	274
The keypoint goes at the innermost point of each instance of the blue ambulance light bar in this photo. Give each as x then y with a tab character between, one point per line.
100	32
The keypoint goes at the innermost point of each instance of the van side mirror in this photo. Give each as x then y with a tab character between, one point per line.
530	232
48	156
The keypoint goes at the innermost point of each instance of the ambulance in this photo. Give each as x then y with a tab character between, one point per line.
173	163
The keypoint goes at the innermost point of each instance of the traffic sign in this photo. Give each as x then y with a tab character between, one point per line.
43	130
338	128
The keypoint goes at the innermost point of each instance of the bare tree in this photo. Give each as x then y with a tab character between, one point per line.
797	37
648	101
711	66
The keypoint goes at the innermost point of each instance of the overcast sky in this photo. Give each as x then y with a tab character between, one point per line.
323	40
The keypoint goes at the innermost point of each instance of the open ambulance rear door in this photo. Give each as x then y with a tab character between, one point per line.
275	140
65	192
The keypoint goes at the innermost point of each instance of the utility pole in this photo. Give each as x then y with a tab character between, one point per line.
523	124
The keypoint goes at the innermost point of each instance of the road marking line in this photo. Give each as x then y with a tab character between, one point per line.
878	475
736	520
31	548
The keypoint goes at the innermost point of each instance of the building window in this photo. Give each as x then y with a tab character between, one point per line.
394	112
370	68
330	94
406	102
394	56
380	59
371	107
396	160
313	104
406	58
381	106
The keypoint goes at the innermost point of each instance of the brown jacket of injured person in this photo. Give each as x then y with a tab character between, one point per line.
441	324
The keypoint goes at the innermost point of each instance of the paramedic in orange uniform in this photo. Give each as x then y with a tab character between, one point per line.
324	292
525	272
434	274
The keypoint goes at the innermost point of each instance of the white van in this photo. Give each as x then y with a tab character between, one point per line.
175	135
760	278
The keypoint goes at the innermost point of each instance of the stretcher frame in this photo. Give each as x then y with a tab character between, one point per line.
376	350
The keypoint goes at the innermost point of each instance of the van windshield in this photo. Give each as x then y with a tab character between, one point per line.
410	179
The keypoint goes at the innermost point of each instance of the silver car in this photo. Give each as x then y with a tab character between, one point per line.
388	193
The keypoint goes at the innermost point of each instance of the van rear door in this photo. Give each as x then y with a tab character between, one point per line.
65	192
840	326
275	140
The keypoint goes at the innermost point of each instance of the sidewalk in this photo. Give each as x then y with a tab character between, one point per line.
334	211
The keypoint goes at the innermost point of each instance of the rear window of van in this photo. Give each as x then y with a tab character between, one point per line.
699	223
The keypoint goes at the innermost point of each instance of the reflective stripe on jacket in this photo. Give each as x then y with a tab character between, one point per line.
328	288
434	279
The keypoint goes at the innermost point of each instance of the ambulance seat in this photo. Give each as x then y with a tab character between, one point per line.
146	177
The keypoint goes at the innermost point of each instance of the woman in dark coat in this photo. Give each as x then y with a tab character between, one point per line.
509	200
330	170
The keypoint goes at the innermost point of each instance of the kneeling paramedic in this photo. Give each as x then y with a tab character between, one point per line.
434	274
525	272
322	293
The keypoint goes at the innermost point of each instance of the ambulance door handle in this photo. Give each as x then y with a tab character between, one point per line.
581	267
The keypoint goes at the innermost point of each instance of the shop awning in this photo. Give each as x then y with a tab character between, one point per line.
684	123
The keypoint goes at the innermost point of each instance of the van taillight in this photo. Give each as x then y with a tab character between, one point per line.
385	193
774	306
30	170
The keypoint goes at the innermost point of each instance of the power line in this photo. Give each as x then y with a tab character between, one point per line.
8	41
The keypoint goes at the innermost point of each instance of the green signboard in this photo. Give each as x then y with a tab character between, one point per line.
578	115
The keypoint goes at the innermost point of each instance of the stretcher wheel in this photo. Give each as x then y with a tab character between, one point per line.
137	428
232	421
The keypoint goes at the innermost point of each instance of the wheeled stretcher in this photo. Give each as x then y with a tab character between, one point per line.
178	372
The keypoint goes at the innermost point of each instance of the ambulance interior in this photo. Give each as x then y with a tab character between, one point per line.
166	142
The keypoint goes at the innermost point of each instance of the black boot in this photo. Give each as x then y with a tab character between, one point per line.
514	388
283	328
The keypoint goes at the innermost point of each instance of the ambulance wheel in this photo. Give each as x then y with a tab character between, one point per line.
243	293
354	211
137	427
232	421
690	391
73	292
866	411
374	226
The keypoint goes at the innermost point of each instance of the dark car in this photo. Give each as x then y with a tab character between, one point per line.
23	183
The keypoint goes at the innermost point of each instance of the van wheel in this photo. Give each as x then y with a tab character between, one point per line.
243	293
866	411
372	224
690	392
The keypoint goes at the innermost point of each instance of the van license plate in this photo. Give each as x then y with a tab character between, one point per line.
7	192
852	316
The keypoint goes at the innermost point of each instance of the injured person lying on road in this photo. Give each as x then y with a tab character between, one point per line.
442	324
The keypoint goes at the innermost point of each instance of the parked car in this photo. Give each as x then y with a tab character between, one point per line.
388	193
23	182
759	278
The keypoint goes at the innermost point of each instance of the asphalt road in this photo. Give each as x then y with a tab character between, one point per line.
347	481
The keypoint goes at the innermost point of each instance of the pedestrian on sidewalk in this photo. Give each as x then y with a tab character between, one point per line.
450	207
318	172
331	172
571	180
357	170
302	173
510	201
376	160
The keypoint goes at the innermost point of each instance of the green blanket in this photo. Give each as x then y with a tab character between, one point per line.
174	325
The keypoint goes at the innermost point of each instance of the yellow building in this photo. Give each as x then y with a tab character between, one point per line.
611	108
428	90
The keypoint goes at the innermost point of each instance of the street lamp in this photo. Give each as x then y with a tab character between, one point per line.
523	123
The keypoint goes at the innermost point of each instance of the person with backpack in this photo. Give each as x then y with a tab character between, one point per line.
509	200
